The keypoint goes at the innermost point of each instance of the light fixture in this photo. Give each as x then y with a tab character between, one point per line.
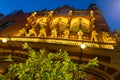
83	46
4	40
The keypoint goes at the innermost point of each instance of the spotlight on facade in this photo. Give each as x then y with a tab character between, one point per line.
4	40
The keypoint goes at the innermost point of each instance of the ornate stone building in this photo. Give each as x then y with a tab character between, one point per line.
63	28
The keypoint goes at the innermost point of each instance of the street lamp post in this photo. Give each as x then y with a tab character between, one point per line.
82	46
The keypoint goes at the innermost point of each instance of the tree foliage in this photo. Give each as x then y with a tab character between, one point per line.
44	65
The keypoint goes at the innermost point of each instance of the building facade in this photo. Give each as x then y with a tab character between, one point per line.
63	28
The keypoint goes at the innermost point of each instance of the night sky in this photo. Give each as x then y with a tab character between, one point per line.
110	8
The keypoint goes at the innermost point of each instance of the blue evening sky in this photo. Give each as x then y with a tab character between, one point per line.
110	8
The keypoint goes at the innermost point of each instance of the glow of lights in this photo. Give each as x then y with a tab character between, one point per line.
4	40
83	46
35	13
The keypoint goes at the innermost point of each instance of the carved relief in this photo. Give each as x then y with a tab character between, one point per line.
58	27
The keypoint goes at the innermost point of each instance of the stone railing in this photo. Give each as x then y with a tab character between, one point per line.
71	42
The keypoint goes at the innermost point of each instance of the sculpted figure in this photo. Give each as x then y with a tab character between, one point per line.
70	13
50	14
29	19
41	22
92	20
33	15
21	32
54	33
80	34
94	35
66	33
31	32
42	33
92	13
92	17
105	36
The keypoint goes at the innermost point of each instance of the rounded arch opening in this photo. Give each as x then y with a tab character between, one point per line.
59	22
80	23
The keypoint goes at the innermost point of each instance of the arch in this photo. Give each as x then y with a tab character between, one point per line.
80	22
60	22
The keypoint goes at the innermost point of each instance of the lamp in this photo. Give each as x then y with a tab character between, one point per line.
82	46
4	40
7	41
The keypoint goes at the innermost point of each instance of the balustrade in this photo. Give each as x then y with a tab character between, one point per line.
73	42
